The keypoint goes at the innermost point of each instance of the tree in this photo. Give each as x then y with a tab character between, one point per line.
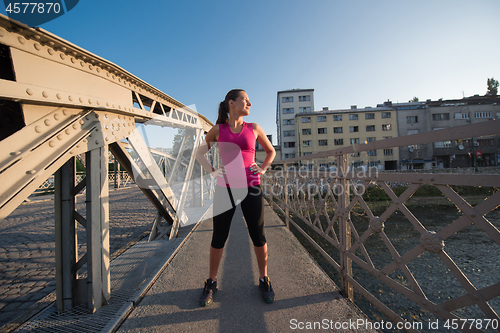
492	87
414	99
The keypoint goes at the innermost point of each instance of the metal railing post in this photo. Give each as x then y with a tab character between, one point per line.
285	165
344	228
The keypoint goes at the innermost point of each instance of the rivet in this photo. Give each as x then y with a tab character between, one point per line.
106	127
107	74
77	146
107	103
71	152
75	126
65	112
52	144
84	140
59	137
106	115
90	101
67	131
97	130
70	98
57	116
63	49
91	67
113	106
113	133
31	172
81	122
38	129
47	122
73	60
106	138
87	117
37	37
29	91
97	102
98	70
90	135
2	33
119	107
113	76
45	94
51	51
58	96
96	115
16	153
96	142
63	56
82	64
81	100
21	40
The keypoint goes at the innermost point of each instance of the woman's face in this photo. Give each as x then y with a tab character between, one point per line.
241	104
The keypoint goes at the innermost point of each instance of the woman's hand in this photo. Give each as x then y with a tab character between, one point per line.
257	169
219	172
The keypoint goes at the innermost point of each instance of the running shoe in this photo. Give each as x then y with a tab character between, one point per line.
208	292
266	289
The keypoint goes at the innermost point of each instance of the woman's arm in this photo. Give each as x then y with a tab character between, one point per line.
211	137
268	148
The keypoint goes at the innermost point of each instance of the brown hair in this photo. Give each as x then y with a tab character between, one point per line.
224	106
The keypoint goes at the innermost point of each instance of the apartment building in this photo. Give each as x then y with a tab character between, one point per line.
434	115
289	104
331	129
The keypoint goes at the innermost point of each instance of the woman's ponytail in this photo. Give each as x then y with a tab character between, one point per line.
224	105
223	113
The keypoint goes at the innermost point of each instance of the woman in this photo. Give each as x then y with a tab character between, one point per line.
238	178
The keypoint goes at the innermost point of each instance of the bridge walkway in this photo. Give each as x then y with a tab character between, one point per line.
304	293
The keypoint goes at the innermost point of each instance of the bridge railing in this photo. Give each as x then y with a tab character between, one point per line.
437	264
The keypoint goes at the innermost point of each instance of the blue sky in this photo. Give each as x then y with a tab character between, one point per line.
357	52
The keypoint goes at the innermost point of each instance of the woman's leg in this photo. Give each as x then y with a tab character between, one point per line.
261	254
215	257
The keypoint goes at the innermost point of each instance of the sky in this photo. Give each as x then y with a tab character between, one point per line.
351	52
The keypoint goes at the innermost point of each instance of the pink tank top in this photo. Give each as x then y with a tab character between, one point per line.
237	152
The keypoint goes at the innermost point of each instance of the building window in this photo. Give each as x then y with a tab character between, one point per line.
306	119
371	153
371	139
442	144
388	152
288	133
337	130
287	110
321	118
338	142
370	115
354	141
306	131
353	129
482	114
485	142
323	142
370	128
289	155
386	127
306	143
305	109
353	116
337	117
412	119
357	164
304	98
441	116
386	115
322	130
462	115
356	154
288	121
287	99
304	154
412	131
387	137
289	144
373	163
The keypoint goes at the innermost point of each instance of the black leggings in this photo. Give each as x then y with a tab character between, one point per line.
252	205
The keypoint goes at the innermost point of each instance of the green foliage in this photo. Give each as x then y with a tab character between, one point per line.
414	99
79	166
492	87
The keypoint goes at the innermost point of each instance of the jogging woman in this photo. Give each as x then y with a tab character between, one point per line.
238	182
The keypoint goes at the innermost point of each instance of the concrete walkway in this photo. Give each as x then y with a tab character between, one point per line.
304	293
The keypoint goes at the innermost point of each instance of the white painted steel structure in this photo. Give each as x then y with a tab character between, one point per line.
69	102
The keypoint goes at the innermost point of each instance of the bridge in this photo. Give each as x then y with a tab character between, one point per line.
62	105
